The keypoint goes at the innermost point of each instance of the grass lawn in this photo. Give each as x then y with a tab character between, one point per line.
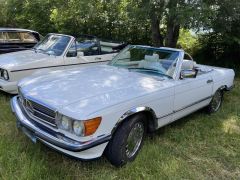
199	146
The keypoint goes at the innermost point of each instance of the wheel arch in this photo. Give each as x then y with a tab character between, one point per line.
223	88
152	123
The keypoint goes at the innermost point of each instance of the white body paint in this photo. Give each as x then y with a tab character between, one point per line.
110	92
25	63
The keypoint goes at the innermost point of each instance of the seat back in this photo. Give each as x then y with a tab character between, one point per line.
188	65
153	58
152	62
149	61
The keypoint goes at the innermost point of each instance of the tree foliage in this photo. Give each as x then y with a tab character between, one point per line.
153	22
221	44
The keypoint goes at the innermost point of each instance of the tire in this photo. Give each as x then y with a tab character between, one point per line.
123	148
216	102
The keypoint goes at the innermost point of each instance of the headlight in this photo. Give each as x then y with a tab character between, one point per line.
66	123
78	128
4	74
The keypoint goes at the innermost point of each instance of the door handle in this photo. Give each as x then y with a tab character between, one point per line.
209	81
98	58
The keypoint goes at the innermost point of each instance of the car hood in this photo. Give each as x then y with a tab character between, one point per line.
20	58
89	89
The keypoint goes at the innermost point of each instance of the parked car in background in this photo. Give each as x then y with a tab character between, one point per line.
54	52
13	39
84	112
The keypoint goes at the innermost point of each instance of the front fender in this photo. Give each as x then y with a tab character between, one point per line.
152	118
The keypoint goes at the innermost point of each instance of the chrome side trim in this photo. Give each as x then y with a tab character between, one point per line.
43	133
136	110
154	124
63	65
195	103
207	98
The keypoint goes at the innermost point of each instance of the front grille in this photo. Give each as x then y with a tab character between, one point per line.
38	111
41	112
43	109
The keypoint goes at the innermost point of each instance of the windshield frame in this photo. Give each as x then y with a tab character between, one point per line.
55	34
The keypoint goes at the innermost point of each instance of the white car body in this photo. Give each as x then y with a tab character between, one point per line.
115	94
25	63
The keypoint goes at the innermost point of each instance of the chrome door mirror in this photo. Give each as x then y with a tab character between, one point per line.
188	74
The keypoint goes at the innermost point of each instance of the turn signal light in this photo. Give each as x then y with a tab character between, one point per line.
91	125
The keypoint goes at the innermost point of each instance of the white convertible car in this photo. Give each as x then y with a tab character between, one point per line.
85	112
54	52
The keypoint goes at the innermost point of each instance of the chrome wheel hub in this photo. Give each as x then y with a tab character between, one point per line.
216	101
134	140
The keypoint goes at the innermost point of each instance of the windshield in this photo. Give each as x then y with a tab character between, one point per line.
147	60
53	44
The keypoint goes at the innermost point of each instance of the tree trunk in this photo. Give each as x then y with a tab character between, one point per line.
173	25
172	35
157	38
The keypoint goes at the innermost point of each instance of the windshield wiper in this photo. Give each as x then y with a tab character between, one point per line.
151	70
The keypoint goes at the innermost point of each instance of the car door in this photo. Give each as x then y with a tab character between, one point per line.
192	94
75	58
99	59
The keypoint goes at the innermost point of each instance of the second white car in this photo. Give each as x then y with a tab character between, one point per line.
54	52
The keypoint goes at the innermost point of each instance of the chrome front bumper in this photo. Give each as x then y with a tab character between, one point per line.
36	131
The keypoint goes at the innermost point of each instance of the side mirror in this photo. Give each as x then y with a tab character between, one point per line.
188	74
71	53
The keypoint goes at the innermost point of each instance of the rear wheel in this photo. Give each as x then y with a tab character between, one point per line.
127	141
216	102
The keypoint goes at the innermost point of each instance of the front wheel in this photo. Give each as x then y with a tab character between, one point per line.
216	102
127	141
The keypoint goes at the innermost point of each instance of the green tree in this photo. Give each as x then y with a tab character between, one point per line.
220	43
28	14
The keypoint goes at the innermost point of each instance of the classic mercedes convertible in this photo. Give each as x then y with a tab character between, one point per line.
85	112
54	52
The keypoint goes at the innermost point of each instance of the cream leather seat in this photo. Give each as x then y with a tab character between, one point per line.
188	65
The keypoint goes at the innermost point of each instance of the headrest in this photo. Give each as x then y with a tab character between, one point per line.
126	55
188	64
154	57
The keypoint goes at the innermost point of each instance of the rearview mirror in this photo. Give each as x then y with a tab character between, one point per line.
188	74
